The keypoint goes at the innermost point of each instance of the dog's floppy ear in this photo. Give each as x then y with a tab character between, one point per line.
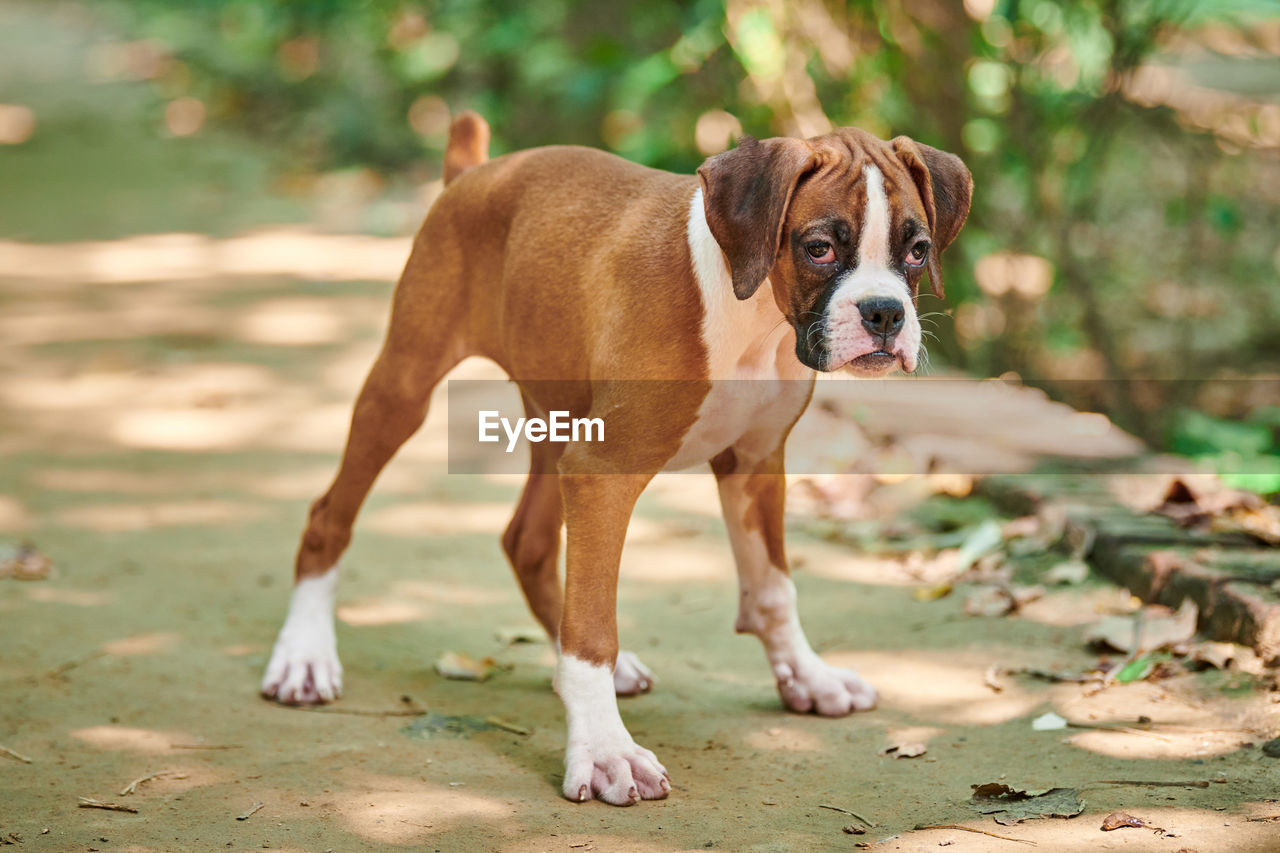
745	194
946	188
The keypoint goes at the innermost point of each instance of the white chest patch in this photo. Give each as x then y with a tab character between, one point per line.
750	348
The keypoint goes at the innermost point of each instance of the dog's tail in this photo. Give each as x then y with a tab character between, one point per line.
468	145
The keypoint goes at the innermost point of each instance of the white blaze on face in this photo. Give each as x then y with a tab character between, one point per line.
873	245
875	275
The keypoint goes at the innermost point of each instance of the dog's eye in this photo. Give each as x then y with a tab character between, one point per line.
820	252
918	253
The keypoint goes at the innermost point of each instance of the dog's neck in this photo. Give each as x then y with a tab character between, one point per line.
745	338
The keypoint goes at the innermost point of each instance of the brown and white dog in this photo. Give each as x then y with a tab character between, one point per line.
781	258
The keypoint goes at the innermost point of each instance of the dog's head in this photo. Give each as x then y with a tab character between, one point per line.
844	226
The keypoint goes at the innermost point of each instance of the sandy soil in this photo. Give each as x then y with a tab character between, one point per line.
160	442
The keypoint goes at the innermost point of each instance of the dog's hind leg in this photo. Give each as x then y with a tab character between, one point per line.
532	539
532	544
422	346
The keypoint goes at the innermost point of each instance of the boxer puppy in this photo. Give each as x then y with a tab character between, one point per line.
581	273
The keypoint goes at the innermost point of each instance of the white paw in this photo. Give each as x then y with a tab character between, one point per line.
813	685
630	677
304	667
615	770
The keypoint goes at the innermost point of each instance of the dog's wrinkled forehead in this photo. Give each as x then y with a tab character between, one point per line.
852	165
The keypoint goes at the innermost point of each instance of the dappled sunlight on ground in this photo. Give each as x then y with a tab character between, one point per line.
74	597
1184	722
115	481
115	518
685	492
429	518
397	810
286	251
380	611
174	388
898	735
453	594
1072	607
844	564
131	739
943	686
13	516
784	738
142	644
161	429
310	483
1029	426
1200	830
695	561
293	322
1166	744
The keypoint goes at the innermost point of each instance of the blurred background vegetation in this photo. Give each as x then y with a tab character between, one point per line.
1121	253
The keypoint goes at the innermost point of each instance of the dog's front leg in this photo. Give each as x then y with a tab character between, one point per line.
601	759
752	496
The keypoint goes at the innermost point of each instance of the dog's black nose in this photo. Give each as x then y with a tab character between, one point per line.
882	315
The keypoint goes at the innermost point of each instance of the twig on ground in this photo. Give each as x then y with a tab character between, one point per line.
362	712
972	829
63	668
500	723
14	754
91	803
252	811
1049	675
1129	730
846	811
205	746
1264	818
133	786
1191	783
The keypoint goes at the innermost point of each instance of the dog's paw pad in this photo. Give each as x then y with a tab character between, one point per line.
302	672
824	689
630	676
621	775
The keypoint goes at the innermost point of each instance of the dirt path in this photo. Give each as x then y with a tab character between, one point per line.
160	441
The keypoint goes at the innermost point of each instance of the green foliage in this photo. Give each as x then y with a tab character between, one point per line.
1156	217
1245	452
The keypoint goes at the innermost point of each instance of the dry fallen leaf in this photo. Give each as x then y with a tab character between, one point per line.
511	636
988	601
1011	805
24	563
1216	655
999	600
904	750
1116	820
1150	629
1069	572
1221	509
1261	522
464	668
1119	820
931	593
